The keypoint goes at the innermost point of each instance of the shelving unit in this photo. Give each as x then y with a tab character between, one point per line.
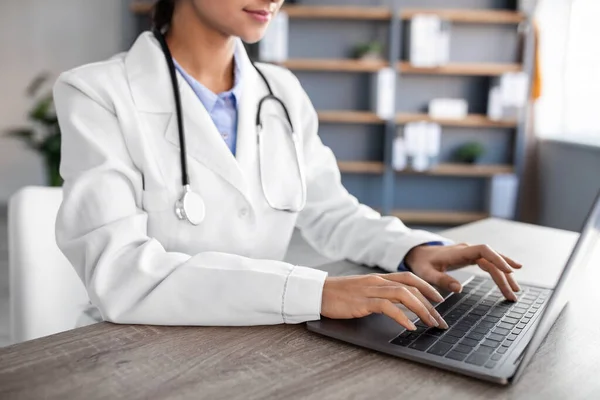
361	167
470	69
469	16
349	117
438	217
141	7
367	117
447	169
372	175
471	121
338	12
335	65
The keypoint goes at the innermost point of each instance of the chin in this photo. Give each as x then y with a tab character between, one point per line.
251	36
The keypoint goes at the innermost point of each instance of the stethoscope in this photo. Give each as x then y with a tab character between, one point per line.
190	206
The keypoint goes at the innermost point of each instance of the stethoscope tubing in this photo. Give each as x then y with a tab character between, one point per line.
185	180
180	207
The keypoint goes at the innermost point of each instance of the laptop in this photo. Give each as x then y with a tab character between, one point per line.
489	338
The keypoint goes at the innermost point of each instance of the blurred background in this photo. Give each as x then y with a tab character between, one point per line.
442	112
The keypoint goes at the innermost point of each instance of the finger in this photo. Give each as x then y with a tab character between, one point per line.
410	279
486	252
513	282
512	262
382	306
399	293
430	308
499	278
443	280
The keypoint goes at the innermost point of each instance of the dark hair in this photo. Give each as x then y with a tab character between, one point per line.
163	13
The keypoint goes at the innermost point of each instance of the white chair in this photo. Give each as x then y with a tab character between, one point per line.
46	295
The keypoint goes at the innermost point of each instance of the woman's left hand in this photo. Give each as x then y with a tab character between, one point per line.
431	263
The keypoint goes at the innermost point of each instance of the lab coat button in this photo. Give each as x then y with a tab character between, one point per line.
243	213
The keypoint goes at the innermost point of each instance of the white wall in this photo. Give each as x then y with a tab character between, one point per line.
52	35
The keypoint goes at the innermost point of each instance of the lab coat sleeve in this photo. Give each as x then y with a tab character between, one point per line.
335	223
102	230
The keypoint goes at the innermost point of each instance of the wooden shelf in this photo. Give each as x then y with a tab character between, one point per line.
471	121
361	167
349	117
469	16
366	117
141	7
350	65
338	12
438	217
459	170
475	69
335	65
464	170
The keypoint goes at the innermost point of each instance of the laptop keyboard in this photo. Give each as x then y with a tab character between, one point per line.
482	324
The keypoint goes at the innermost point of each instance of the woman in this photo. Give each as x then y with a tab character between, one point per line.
219	264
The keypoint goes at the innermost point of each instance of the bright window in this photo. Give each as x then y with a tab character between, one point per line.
570	55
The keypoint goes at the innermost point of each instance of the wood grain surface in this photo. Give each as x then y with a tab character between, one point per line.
106	361
468	16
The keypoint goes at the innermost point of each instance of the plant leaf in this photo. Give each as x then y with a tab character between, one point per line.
41	111
20	133
37	83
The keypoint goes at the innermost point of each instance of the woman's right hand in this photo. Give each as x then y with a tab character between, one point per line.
348	297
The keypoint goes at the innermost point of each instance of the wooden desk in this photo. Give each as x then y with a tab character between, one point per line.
288	362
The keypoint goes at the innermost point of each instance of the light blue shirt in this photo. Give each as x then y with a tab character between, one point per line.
222	107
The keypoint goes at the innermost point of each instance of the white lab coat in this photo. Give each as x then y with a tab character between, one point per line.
117	226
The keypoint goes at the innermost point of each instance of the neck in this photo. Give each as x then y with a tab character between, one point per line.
205	53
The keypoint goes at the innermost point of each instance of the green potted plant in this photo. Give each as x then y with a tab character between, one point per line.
43	133
368	51
470	153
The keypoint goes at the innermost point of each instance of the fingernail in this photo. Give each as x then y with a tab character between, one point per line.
455	287
442	322
433	321
411	326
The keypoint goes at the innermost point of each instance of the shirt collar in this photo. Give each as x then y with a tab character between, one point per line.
207	97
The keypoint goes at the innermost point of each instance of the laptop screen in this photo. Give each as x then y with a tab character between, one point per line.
588	243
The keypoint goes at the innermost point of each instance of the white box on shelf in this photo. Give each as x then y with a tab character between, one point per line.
502	196
508	96
411	138
273	47
514	88
433	142
448	108
399	154
383	93
423	40
422	143
443	43
495	108
429	41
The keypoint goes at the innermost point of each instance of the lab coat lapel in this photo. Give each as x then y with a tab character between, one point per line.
150	85
253	90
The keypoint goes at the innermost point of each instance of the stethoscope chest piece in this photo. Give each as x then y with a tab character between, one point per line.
190	207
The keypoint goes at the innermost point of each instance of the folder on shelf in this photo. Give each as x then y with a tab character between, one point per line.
383	93
429	41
